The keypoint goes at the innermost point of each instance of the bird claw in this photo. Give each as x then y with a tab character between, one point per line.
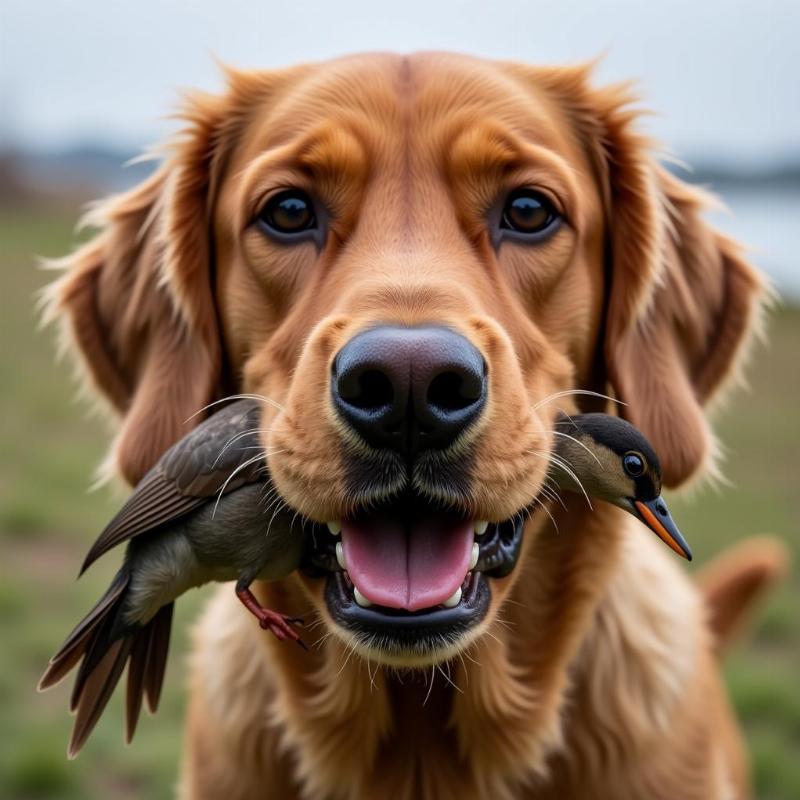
279	624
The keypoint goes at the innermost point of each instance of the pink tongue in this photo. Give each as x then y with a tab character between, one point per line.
410	569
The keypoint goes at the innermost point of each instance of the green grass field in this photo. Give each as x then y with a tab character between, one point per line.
47	519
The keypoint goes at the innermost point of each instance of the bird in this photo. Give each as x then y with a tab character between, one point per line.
607	458
197	516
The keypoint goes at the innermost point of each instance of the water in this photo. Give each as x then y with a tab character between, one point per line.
767	221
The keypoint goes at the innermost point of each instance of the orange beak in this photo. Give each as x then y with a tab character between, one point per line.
656	516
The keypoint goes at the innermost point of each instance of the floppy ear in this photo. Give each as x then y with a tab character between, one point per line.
137	300
682	303
681	299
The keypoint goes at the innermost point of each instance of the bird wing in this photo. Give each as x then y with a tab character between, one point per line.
218	456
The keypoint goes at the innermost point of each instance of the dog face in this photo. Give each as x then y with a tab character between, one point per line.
409	258
442	216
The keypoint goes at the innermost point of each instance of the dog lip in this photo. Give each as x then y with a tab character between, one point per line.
500	547
403	629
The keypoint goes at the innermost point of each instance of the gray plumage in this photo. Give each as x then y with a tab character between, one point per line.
199	515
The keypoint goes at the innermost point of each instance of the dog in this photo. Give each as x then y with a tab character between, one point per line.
417	262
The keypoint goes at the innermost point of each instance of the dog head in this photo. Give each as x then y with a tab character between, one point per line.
410	259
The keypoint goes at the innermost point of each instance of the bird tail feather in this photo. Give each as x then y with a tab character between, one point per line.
146	667
102	643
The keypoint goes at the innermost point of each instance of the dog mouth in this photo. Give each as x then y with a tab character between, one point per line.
409	577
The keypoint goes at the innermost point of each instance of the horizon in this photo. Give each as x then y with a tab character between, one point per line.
72	74
84	87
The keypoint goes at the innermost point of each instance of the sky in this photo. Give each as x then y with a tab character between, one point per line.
721	74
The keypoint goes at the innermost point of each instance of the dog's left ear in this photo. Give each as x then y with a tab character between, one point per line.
681	300
136	302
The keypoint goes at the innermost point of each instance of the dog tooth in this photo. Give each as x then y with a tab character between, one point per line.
340	555
454	599
335	528
480	527
476	551
360	599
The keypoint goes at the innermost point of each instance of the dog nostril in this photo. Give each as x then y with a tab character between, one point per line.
408	388
373	391
449	392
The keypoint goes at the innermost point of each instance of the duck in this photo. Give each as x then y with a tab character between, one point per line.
605	457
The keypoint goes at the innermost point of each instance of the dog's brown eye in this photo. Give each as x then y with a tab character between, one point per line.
288	213
529	212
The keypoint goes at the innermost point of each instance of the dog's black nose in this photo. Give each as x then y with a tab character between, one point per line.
409	389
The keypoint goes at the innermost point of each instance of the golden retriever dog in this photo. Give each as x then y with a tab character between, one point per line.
417	261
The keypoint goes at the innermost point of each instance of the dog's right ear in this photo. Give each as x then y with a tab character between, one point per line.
681	297
137	301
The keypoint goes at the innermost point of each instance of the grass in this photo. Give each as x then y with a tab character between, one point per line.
47	519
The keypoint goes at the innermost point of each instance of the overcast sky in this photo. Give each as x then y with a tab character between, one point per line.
722	74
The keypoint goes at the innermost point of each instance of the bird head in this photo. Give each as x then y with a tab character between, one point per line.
611	460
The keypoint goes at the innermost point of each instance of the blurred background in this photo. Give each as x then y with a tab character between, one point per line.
86	86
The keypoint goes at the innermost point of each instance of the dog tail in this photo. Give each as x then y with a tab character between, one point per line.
102	643
735	580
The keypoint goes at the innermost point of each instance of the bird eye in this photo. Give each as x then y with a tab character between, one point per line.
634	464
288	213
530	213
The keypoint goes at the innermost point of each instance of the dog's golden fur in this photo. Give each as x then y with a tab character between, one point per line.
593	674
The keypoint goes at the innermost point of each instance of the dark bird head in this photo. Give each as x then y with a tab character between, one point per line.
613	461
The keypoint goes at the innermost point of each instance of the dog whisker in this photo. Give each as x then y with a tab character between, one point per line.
231	477
267	495
552	495
236	438
430	686
271	498
371	675
447	677
280	504
555	492
466	653
318	644
562	463
266	501
238	469
243	396
350	646
569	392
537	501
505	623
497	639
579	443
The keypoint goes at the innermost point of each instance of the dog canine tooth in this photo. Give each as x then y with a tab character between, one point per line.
476	551
360	599
480	527
340	555
454	599
335	527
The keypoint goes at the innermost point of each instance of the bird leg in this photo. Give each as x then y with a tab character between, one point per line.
279	624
